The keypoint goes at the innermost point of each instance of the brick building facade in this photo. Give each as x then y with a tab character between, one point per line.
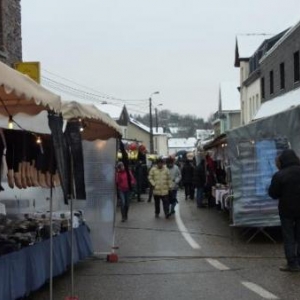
10	32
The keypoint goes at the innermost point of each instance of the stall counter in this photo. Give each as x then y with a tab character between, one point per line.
25	271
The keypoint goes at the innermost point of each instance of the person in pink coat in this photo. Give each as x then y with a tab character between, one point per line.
124	180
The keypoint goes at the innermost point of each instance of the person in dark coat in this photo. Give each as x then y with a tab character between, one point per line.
199	180
210	179
285	186
187	174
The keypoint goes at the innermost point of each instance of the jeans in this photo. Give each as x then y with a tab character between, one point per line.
199	196
165	201
291	239
173	200
125	202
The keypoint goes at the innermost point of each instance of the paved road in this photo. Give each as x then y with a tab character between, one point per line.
193	255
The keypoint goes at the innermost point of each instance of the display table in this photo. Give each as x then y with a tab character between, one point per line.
24	271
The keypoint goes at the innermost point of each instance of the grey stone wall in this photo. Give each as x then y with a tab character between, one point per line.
10	36
284	53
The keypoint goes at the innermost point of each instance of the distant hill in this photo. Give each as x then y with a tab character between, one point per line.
186	124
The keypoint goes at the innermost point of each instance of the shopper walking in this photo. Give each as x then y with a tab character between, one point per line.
285	186
150	191
175	177
124	180
199	180
159	178
187	173
210	179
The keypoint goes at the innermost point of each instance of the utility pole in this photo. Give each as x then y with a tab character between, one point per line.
151	125
151	122
156	120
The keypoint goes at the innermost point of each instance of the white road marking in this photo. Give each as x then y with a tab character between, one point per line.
259	290
184	230
216	264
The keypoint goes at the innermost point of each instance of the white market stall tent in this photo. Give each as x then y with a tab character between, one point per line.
28	104
19	93
96	124
95	129
99	140
22	100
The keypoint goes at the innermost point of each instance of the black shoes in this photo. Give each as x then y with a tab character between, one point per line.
168	215
201	206
288	268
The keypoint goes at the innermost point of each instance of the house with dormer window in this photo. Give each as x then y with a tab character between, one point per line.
280	74
249	50
136	131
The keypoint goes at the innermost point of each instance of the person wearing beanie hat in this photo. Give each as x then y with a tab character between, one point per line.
160	179
159	160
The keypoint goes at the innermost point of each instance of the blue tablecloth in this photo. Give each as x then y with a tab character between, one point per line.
24	271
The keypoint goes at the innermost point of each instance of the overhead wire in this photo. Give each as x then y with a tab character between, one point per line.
138	106
77	91
69	90
89	94
96	92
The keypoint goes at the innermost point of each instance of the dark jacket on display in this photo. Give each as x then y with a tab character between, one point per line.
285	184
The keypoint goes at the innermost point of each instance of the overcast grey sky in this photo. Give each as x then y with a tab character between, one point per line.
128	49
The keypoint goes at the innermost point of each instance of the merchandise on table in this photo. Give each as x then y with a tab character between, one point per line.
19	231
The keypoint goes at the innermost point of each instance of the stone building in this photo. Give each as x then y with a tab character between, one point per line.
249	49
10	32
280	67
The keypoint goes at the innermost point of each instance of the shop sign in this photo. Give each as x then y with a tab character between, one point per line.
32	69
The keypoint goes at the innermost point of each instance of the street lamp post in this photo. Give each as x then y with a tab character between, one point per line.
156	117
151	121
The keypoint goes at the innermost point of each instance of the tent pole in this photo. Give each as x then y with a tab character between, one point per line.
72	230
115	204
72	248
51	239
112	257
